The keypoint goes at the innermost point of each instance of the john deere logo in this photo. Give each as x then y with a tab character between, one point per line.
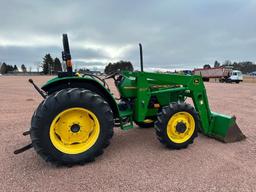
196	81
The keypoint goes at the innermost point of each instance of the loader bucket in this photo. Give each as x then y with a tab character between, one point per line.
225	128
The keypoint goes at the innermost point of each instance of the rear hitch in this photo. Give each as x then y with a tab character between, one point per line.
25	148
41	92
26	133
22	149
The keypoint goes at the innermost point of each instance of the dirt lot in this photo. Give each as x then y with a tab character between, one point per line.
249	79
135	160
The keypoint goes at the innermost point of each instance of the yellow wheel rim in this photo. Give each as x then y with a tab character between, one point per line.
74	130
180	127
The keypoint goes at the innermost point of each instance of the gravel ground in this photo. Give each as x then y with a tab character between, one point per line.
135	160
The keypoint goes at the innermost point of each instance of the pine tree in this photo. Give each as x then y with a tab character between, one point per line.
47	64
23	68
3	68
216	64
15	68
207	66
118	66
57	65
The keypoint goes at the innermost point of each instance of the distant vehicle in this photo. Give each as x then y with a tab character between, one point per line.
235	76
221	73
187	72
252	73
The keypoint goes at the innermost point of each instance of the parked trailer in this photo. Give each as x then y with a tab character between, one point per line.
221	73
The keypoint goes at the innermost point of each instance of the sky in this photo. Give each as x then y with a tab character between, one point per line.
175	34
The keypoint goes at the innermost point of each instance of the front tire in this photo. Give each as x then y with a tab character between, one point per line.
177	125
71	126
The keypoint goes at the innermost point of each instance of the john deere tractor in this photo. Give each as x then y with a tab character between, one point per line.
74	122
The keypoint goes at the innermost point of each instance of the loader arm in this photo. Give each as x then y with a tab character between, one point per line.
212	124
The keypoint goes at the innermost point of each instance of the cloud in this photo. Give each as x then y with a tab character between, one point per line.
173	33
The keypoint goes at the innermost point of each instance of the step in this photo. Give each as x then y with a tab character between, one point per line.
126	113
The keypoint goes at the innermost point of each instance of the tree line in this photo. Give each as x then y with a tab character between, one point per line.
118	66
243	66
48	65
5	68
52	65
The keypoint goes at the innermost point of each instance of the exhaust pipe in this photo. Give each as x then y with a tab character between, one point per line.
66	55
141	58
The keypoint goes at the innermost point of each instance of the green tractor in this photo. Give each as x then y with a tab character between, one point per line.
74	123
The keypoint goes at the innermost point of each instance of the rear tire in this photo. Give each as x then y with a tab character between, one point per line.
98	118
177	125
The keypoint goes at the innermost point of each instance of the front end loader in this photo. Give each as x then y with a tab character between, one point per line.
74	122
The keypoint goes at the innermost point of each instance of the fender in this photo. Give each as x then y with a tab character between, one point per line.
86	82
